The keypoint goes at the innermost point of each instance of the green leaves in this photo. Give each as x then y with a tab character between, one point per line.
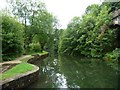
112	58
89	35
35	47
12	37
39	24
42	25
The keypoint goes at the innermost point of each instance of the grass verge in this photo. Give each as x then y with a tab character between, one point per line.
18	69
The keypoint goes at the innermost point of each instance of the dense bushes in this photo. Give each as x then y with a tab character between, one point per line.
113	58
90	35
12	38
34	47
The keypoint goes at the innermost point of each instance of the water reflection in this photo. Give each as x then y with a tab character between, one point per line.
61	81
71	72
88	73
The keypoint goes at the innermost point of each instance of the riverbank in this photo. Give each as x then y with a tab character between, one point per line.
22	71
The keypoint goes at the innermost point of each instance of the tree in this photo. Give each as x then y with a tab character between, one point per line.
24	10
114	5
43	27
94	8
90	35
68	39
12	38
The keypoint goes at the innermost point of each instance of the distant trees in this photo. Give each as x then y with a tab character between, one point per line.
57	36
68	39
43	28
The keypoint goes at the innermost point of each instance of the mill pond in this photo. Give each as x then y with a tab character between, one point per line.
73	72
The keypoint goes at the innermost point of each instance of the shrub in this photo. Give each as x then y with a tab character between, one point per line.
12	38
34	47
112	58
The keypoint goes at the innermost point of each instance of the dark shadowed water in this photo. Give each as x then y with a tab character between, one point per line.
73	72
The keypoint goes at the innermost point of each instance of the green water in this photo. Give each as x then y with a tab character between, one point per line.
73	72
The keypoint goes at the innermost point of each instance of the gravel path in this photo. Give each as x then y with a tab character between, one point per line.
17	60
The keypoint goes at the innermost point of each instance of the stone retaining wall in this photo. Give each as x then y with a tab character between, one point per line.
23	80
37	57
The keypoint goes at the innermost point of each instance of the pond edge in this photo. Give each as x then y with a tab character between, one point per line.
25	79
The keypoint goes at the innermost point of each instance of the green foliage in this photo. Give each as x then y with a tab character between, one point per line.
57	34
114	5
12	38
112	58
94	8
90	35
67	42
34	47
42	24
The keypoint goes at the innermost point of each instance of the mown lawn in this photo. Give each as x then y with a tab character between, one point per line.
18	69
